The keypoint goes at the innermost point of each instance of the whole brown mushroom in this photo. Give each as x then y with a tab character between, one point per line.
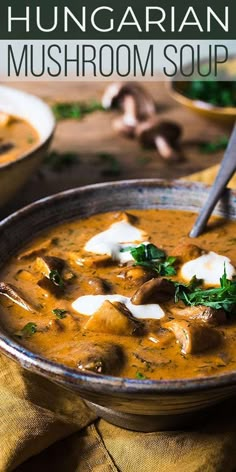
164	136
135	102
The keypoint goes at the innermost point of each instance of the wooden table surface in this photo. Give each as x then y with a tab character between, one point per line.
93	135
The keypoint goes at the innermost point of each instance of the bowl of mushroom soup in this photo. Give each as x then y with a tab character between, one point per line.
27	126
110	298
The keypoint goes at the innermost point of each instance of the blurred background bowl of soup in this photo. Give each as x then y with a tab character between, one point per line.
27	126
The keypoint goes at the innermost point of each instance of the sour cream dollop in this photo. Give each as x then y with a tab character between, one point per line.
114	239
208	267
89	304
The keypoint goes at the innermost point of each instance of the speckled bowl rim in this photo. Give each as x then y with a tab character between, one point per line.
72	378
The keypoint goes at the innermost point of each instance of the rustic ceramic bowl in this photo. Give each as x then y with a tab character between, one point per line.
223	115
23	105
144	405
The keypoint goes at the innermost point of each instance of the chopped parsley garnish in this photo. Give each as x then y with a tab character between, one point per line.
144	160
181	287
30	139
111	163
214	146
58	162
28	331
150	256
223	297
140	376
75	110
59	313
56	278
217	93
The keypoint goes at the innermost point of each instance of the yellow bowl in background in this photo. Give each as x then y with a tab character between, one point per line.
223	115
14	174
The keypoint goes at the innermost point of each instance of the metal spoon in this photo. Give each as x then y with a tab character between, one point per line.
227	169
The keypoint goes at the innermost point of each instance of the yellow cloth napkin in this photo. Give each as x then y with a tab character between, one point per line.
208	176
45	428
35	413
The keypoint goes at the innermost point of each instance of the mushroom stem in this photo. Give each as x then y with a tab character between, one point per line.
130	111
137	106
164	149
110	94
164	136
128	122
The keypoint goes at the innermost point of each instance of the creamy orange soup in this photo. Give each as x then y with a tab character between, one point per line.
42	287
17	137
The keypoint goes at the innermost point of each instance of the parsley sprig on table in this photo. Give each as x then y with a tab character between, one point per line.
151	257
223	297
214	146
75	110
58	162
112	165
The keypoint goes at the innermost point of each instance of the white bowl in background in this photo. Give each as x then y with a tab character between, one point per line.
14	174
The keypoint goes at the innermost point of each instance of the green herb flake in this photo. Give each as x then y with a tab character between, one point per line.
56	278
223	297
140	376
75	110
153	258
58	162
143	160
28	331
60	314
30	139
111	163
214	146
218	93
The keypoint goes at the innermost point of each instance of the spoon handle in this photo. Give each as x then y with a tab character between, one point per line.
227	169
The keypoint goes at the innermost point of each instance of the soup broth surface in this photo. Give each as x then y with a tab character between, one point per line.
145	348
17	137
